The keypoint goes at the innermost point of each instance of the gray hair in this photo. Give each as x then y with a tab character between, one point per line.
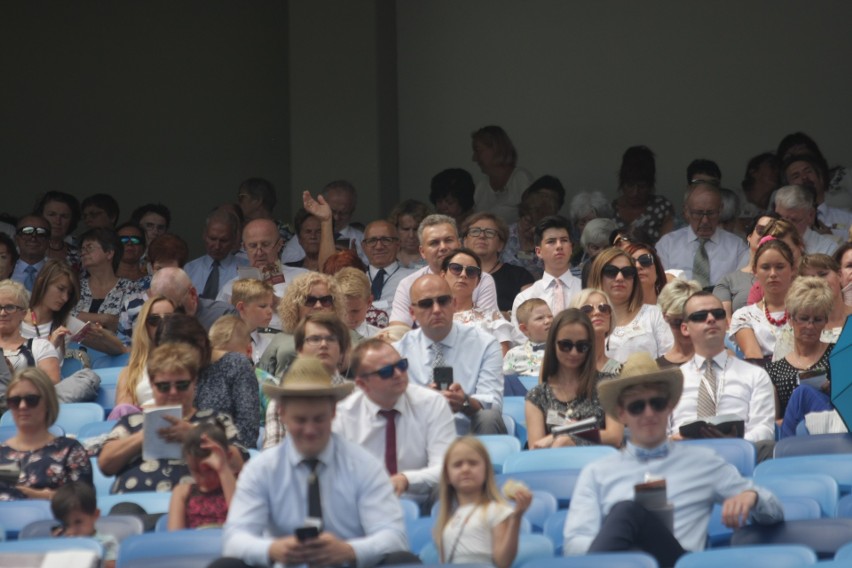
597	232
224	217
587	203
436	219
794	197
730	205
809	293
673	297
16	289
703	186
340	184
173	283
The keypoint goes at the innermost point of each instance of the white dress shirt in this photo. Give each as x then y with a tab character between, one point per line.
474	355
289	272
545	288
838	220
271	501
817	243
424	430
394	274
742	389
678	249
503	203
198	270
484	295
293	251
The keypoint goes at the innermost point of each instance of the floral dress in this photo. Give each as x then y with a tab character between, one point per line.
580	408
113	301
651	221
61	461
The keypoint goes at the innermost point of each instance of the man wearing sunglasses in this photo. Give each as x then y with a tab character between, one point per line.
729	386
32	237
604	517
406	426
475	394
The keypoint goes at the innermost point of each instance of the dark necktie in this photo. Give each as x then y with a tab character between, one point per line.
211	287
314	503
390	439
378	284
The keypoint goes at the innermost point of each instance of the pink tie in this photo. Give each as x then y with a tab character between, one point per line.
558	297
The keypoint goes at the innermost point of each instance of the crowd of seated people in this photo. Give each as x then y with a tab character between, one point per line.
378	347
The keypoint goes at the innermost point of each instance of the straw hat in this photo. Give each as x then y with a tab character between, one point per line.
639	369
307	378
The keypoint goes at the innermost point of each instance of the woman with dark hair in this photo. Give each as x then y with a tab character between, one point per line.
452	193
838	182
153	218
62	211
100	211
406	217
761	179
8	256
567	389
500	193
650	269
102	293
638	209
133	241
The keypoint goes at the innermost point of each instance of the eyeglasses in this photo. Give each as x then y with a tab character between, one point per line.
387	371
701	315
30	231
566	345
612	271
698	214
714	182
637	407
130	240
166	386
645	260
602	308
813	320
263	247
32	400
325	301
470	271
427	303
317	339
477	232
373	241
11	308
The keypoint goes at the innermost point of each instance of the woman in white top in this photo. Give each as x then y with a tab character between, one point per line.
21	352
638	326
500	193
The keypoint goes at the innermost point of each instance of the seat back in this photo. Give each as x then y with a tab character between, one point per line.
787	556
410	509
419	533
823	536
795	509
15	515
819	487
838	466
106	397
514	406
558	482
119	526
152	501
75	415
500	447
740	453
105	361
554	529
597	560
816	444
199	545
543	505
42	545
556	458
94	429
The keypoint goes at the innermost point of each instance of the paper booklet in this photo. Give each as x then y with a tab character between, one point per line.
727	424
153	446
587	429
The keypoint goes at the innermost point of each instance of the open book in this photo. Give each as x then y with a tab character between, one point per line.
586	429
815	378
727	424
153	446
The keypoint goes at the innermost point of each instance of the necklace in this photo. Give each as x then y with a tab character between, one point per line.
776	322
494	268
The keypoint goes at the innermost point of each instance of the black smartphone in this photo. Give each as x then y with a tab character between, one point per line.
307	533
443	377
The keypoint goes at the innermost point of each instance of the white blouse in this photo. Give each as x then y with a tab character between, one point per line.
648	332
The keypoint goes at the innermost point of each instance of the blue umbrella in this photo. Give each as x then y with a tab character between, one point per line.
840	362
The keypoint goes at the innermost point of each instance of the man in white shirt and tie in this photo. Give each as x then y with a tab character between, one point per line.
32	237
211	271
381	244
406	426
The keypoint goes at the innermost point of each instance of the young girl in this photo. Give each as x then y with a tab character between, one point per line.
475	525
205	502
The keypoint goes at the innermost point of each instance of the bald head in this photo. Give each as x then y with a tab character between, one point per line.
432	306
262	242
174	284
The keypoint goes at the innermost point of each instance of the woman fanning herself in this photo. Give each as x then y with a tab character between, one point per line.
595	304
475	525
567	389
672	300
462	270
638	326
809	303
756	328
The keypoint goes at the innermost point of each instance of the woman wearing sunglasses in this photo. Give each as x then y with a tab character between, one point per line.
462	269
638	326
758	326
597	306
47	462
173	369
672	300
650	270
133	244
134	388
567	389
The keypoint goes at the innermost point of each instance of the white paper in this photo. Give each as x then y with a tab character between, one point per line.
66	558
153	446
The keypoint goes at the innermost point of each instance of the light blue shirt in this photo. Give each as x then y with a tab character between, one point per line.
677	250
198	270
358	503
696	478
474	355
19	274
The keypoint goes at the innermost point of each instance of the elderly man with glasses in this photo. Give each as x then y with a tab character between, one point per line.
32	236
381	245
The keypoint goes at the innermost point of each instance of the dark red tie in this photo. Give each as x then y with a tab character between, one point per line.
390	439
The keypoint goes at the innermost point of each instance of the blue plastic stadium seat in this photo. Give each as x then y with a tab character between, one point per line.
742	454
109	375
531	549
558	482
15	515
838	466
556	458
780	556
119	526
419	533
795	509
94	429
104	361
823	536
102	483
42	545
844	507
410	509
152	501
514	406
529	381
192	547
599	560
543	505
815	444
106	397
510	426
554	529
819	487
74	415
844	554
500	447
70	365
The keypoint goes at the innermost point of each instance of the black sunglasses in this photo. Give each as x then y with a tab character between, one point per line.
166	387
154	319
32	400
427	303
602	308
29	231
566	345
701	315
130	240
612	271
645	260
470	271
637	407
325	301
387	371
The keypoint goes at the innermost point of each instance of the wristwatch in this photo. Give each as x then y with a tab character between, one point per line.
466	404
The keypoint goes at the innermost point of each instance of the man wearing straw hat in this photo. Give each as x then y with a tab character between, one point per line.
314	499
604	516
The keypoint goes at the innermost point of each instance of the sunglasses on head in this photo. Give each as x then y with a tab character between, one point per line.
701	315
427	303
612	271
130	240
566	345
602	308
470	271
32	400
637	407
645	260
30	231
325	301
166	386
387	371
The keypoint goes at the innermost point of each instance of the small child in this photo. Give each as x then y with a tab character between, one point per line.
75	506
210	460
534	319
475	525
255	302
